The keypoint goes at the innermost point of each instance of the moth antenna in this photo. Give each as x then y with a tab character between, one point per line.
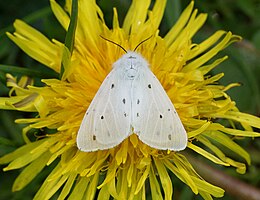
113	43
142	42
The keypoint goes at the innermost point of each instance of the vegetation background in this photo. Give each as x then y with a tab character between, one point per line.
243	66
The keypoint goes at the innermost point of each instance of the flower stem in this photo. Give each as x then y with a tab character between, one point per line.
231	185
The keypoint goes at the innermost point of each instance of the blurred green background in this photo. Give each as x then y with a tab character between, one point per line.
243	66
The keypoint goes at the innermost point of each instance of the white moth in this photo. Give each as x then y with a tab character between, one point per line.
131	100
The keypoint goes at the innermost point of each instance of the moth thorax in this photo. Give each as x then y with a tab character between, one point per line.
131	73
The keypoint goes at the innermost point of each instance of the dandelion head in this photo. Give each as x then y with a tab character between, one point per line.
127	170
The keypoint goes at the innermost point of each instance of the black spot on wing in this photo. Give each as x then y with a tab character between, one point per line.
170	137
94	137
149	86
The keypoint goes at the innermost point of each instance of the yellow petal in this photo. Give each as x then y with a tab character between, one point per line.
27	32
228	143
92	187
20	152
103	194
179	25
39	53
165	179
6	103
207	56
79	189
182	170
38	148
158	11
68	186
207	68
43	192
142	179
206	154
60	14
206	187
199	130
136	16
241	117
29	173
206	44
155	187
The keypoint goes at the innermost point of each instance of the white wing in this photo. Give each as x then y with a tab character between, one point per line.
107	120
155	119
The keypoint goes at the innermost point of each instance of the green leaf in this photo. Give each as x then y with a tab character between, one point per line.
70	36
42	13
28	72
172	12
5	141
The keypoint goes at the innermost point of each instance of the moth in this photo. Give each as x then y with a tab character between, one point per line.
131	100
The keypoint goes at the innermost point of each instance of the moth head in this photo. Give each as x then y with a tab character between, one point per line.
131	61
122	46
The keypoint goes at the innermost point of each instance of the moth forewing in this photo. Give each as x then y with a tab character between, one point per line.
131	100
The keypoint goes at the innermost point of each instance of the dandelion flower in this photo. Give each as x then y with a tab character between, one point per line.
127	170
